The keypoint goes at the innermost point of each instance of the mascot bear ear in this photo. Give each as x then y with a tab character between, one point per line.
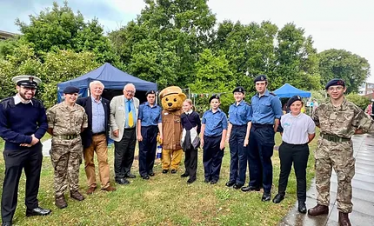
182	96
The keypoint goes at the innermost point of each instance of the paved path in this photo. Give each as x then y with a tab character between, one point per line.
363	191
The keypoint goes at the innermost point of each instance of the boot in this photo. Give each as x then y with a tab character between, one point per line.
60	202
76	195
318	210
343	219
301	208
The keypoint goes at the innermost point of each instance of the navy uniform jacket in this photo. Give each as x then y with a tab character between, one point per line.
86	103
19	122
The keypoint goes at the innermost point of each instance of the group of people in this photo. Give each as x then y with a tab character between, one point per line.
81	127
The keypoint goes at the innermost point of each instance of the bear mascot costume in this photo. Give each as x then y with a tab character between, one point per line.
172	99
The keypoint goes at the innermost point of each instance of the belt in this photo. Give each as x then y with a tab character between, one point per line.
334	138
100	133
67	137
262	125
245	125
130	128
297	145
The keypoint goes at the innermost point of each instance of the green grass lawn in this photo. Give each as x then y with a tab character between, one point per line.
163	200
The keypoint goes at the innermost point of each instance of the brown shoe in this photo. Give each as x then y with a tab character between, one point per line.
60	202
76	195
91	190
318	210
109	188
343	219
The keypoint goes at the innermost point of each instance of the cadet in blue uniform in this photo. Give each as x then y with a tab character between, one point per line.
266	112
149	124
238	136
213	136
23	149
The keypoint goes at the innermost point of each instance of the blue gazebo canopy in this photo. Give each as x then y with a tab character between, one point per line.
287	91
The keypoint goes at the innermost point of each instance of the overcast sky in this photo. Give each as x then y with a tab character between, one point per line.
339	24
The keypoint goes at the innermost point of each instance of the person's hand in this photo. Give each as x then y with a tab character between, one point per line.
34	140
25	145
161	137
116	133
201	142
222	145
246	141
139	137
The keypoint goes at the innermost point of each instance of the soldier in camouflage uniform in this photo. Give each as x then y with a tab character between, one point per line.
338	120
65	122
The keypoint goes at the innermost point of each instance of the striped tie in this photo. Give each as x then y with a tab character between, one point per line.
130	116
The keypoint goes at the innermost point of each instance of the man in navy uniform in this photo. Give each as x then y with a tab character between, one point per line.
23	123
266	112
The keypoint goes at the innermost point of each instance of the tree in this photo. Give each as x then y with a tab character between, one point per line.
213	76
60	28
297	62
352	68
165	41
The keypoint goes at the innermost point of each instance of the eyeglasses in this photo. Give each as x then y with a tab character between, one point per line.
336	88
129	91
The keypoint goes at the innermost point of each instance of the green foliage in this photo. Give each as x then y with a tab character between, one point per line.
213	76
353	69
360	101
60	28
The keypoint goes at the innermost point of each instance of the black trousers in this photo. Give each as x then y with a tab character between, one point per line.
124	153
238	154
261	144
147	149
298	155
212	157
29	159
190	162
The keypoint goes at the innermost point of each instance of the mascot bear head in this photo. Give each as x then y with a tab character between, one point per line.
172	98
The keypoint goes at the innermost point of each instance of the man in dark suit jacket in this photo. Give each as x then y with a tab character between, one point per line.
95	137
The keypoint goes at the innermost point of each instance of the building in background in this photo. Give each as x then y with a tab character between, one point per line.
5	35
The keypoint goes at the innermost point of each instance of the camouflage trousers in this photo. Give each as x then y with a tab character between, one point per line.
66	156
337	155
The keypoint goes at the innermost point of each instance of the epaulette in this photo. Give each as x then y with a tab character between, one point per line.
273	94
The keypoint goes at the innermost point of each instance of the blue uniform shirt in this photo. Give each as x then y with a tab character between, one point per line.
266	108
215	123
240	114
149	116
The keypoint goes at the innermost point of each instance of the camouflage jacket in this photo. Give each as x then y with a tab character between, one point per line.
341	121
65	120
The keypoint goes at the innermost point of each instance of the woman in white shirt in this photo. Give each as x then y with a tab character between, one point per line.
298	131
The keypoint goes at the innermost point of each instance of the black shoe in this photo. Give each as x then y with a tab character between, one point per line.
213	181
237	186
278	198
7	223
130	175
173	171
266	197
230	183
145	177
185	175
191	180
206	180
122	181
301	208
151	174
38	211
250	188
165	171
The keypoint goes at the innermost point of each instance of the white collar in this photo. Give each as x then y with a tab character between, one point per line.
18	99
189	112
